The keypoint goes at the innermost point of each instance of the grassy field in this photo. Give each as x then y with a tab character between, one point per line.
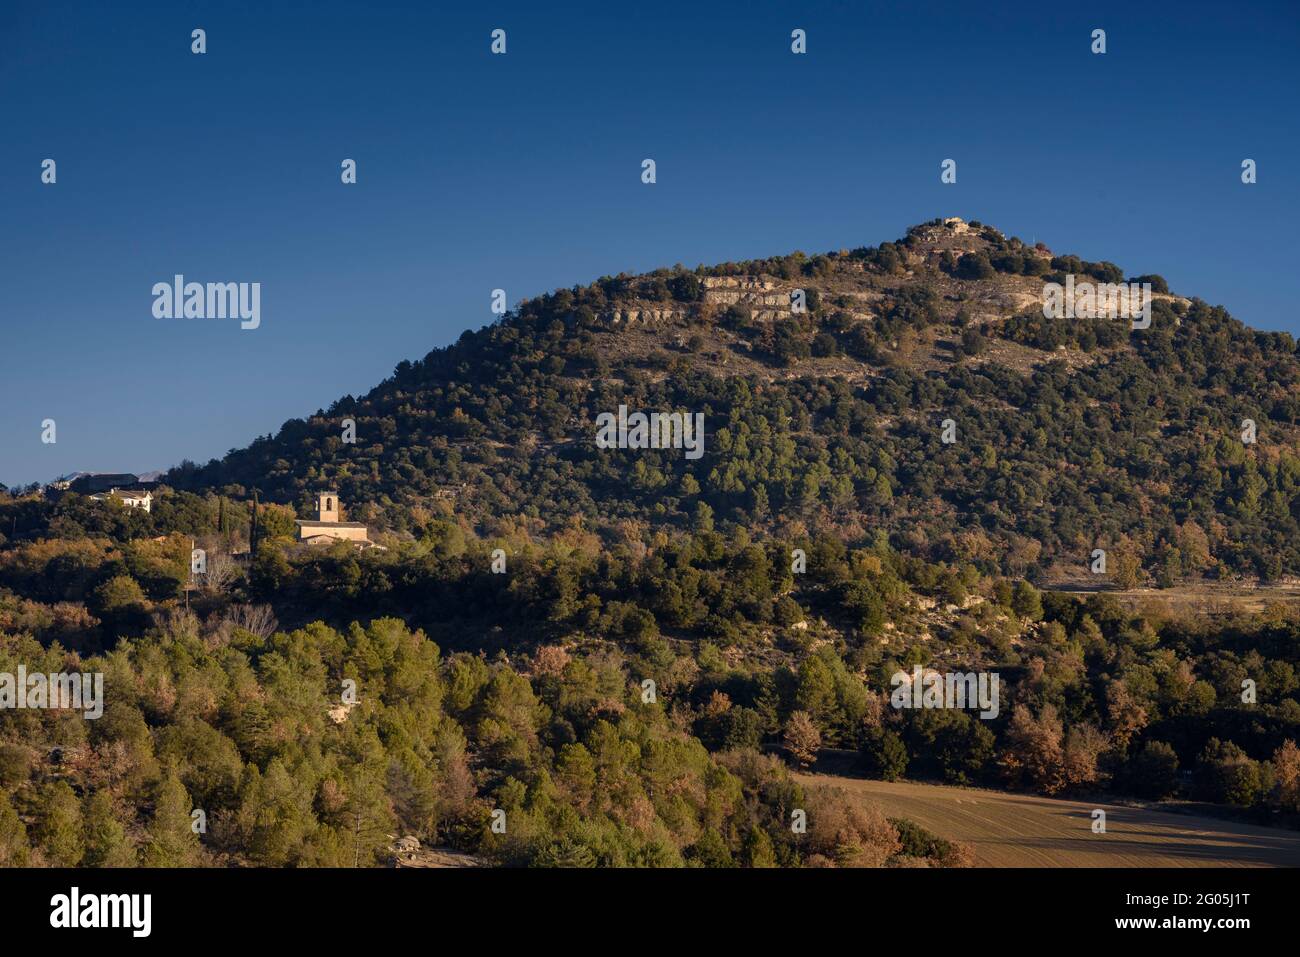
1017	830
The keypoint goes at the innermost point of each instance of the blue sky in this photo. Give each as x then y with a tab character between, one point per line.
523	172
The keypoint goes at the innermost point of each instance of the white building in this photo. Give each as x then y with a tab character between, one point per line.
326	529
127	497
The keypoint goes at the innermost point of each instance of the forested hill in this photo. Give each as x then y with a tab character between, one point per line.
1069	434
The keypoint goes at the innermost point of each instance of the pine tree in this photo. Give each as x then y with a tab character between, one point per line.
106	841
758	849
14	849
367	817
172	842
59	832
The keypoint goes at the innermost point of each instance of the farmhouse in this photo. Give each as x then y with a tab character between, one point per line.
127	497
326	529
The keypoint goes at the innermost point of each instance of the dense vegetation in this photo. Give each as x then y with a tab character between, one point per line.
540	710
249	730
1072	434
668	635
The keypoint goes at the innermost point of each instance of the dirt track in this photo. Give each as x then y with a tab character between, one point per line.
1211	599
1017	830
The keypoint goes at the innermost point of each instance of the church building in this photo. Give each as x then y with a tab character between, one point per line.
326	529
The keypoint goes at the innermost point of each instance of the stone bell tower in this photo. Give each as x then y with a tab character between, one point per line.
328	506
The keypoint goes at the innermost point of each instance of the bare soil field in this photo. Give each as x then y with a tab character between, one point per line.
1018	830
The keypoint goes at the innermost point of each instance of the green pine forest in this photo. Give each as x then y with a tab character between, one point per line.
672	640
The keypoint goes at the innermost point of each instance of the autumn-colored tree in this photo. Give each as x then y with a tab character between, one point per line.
1126	715
1125	569
1084	744
1286	771
1195	546
802	738
1032	754
846	833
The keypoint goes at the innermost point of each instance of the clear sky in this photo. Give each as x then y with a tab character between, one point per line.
522	172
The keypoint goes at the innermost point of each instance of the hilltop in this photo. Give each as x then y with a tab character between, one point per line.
1070	434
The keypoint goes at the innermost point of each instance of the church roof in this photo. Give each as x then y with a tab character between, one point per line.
316	524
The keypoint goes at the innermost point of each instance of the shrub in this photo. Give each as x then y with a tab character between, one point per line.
1153	772
884	754
974	266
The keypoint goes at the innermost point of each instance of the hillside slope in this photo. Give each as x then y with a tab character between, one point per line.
1071	434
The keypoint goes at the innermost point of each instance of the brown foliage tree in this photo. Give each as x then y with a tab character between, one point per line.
802	738
1032	754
